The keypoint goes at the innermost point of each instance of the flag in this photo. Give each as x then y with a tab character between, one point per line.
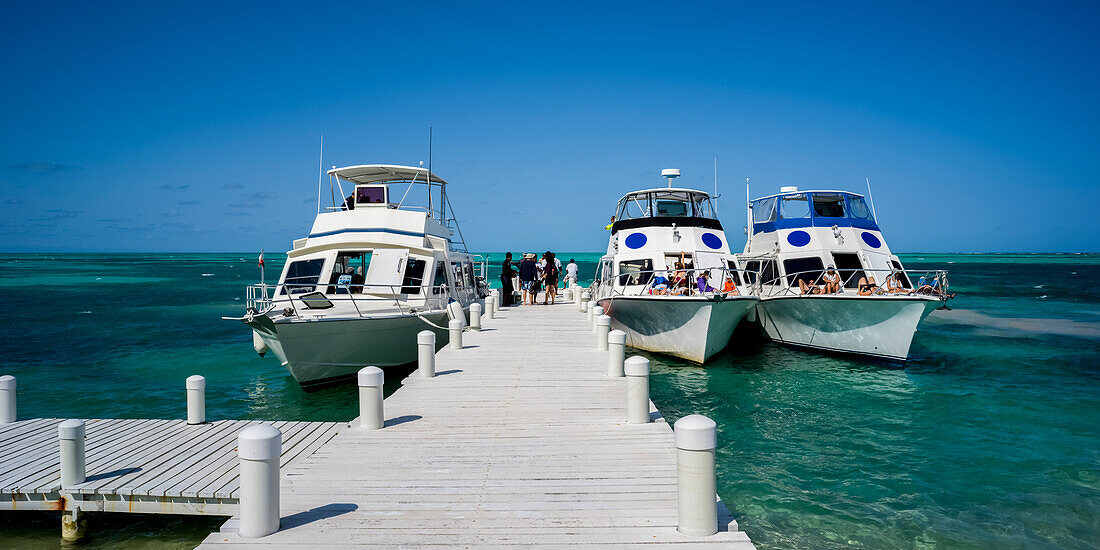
261	257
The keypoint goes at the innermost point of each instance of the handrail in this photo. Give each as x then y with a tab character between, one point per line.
263	297
689	283
935	282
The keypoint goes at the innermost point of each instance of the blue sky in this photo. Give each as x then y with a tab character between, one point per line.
195	127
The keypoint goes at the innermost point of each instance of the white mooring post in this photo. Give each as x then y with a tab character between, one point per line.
491	305
603	327
455	329
616	347
7	399
70	434
425	344
582	305
696	438
371	380
591	310
259	448
196	399
637	390
594	313
475	316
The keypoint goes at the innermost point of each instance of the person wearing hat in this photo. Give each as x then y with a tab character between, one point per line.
527	274
832	280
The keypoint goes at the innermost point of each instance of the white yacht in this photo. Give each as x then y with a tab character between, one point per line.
866	304
373	272
663	240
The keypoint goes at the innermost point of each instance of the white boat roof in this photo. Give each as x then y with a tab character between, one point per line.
804	191
664	190
378	173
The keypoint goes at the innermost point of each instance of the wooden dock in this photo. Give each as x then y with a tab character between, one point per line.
519	440
146	466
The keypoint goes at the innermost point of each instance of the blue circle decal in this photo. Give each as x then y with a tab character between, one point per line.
712	240
635	240
871	240
799	238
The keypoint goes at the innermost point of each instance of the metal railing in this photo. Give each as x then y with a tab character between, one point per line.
262	298
665	282
863	282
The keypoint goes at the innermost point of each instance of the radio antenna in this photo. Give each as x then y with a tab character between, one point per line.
715	186
320	170
871	199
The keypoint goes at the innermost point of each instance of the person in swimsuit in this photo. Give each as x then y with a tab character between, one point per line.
832	280
867	286
893	284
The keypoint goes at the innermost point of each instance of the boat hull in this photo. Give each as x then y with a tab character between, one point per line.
689	328
880	327
323	351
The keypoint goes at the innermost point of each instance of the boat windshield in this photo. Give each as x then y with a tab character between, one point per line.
666	204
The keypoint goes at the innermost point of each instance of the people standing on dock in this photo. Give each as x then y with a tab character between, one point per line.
507	292
551	269
528	270
571	272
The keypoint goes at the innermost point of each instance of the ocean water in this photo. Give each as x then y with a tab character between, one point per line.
989	437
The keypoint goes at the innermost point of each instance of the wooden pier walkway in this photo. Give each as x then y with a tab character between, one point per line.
134	465
520	440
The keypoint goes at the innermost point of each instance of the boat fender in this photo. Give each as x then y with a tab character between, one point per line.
258	344
454	311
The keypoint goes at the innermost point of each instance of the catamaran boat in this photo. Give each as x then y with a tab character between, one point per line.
668	279
827	280
372	273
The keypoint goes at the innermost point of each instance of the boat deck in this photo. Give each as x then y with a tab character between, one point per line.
520	440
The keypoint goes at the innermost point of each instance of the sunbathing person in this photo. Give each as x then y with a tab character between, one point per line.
729	288
867	286
893	284
702	284
809	288
832	280
679	280
660	285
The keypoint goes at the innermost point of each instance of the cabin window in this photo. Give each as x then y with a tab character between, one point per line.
763	210
849	267
769	275
752	270
370	195
469	269
671	208
803	269
348	272
794	206
456	272
902	277
828	205
733	274
302	276
414	276
635	206
635	272
672	259
702	207
857	207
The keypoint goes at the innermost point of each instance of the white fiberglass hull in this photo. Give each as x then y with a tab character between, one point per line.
327	350
691	328
881	327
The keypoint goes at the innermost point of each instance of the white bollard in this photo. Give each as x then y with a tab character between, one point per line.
258	448
637	390
603	327
596	312
616	346
591	311
425	343
196	399
455	328
696	438
371	380
7	399
70	434
582	304
475	316
491	306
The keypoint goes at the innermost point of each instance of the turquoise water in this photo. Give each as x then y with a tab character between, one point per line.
989	437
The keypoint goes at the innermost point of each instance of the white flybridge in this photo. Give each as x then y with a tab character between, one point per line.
373	272
826	279
668	279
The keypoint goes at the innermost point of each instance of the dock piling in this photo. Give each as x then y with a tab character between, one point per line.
455	329
582	304
637	390
595	312
7	399
491	305
603	328
196	399
425	343
74	526
70	434
696	439
616	346
475	316
371	380
258	448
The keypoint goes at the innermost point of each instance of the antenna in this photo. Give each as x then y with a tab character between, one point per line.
320	170
716	186
748	208
871	199
670	174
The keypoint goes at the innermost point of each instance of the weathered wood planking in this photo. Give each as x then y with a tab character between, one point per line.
520	440
139	465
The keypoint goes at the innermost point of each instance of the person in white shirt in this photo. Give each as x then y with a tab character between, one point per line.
571	272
